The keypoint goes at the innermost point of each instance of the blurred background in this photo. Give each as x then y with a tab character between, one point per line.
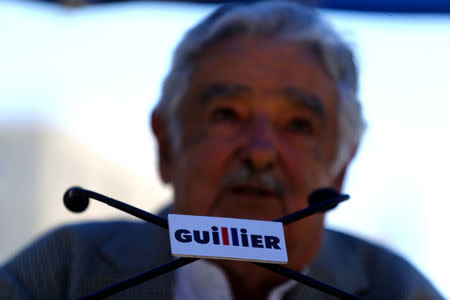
77	85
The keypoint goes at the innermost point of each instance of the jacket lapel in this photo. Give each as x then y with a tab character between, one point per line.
127	259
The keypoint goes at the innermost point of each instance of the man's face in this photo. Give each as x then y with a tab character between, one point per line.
258	135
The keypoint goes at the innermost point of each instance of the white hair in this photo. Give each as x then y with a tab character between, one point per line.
282	20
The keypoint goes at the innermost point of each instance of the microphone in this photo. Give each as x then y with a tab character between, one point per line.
319	201
76	199
323	194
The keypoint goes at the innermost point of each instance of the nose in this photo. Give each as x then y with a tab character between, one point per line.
259	153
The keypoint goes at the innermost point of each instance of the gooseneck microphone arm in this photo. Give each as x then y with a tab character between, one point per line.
76	199
316	206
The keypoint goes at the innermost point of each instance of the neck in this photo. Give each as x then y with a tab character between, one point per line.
249	281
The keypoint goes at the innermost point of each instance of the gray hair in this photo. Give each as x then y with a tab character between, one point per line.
287	21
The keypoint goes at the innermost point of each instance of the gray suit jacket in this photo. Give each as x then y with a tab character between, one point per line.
77	260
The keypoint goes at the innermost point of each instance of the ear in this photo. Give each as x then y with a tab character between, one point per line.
160	129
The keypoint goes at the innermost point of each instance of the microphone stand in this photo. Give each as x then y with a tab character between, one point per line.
76	199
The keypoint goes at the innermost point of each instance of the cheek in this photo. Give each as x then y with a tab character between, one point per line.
198	174
305	172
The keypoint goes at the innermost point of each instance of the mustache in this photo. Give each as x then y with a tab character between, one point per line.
247	177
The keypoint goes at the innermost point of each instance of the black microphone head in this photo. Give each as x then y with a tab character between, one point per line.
323	194
76	199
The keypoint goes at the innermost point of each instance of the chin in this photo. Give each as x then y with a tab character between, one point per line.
245	212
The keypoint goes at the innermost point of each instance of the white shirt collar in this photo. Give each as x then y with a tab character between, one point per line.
203	280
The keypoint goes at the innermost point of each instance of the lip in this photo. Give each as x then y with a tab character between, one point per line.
251	192
250	201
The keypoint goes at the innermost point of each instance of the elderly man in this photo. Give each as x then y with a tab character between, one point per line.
259	109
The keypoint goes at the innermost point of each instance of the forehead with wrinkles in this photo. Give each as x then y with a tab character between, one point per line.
230	67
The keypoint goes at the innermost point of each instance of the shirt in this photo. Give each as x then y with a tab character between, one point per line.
203	280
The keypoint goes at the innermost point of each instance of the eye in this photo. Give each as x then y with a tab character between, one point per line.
300	125
226	114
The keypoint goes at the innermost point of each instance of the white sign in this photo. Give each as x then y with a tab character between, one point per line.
227	238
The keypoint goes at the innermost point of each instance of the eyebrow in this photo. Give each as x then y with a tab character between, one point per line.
297	96
222	90
304	99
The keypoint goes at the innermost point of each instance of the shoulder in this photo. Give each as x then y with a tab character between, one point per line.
75	240
60	259
374	257
388	275
70	238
